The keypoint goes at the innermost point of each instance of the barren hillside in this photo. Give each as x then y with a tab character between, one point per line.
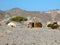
2	13
43	16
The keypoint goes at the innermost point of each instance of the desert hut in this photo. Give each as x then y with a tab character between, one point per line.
12	24
53	25
29	23
33	23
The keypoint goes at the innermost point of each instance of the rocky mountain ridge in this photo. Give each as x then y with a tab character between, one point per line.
43	16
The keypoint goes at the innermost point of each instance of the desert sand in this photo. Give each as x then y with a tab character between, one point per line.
29	36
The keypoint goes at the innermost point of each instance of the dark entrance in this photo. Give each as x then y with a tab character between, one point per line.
32	24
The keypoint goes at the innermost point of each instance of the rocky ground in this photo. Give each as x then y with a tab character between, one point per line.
29	36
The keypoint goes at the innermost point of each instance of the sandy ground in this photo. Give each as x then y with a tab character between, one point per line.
29	36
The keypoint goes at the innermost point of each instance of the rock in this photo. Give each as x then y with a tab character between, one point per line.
6	44
8	31
1	34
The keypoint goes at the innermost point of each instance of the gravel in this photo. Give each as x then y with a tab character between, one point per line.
29	36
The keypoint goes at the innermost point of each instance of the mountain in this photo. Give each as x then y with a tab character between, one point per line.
55	14
15	12
43	16
2	13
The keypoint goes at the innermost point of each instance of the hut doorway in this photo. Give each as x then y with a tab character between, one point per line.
32	24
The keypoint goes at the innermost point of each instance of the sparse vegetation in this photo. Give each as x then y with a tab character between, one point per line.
18	18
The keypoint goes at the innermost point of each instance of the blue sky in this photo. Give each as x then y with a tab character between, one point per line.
30	5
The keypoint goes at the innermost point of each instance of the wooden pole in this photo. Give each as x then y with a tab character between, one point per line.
35	23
